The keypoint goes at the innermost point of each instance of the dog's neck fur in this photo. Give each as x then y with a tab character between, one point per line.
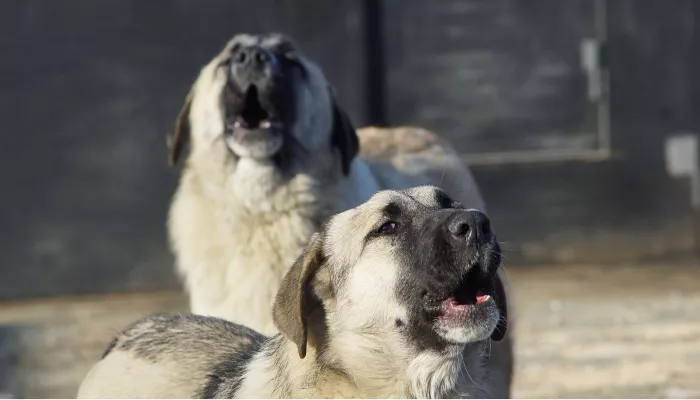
277	371
216	197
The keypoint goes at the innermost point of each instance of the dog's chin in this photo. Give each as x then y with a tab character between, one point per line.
259	144
467	311
466	323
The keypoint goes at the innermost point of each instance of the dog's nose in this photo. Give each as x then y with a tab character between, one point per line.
254	57
472	226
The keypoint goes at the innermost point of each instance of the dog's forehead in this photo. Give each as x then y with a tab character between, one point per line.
273	41
356	220
407	200
429	196
379	202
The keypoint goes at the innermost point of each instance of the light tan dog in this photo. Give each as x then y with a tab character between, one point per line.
272	156
395	298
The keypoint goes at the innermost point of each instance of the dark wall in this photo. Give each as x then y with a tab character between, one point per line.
493	76
506	76
88	90
625	207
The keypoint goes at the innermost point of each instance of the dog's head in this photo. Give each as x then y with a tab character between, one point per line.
261	99
408	270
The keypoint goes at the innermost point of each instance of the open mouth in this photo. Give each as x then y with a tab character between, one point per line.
252	130
473	291
474	288
253	115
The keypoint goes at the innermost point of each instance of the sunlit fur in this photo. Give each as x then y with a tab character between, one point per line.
355	348
236	224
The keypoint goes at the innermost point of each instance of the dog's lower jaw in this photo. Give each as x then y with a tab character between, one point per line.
253	183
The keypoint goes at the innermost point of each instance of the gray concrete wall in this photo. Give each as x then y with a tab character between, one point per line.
89	89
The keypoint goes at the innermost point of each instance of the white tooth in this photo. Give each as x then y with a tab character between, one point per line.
265	124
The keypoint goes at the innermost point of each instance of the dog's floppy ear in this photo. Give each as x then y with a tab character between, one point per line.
343	136
293	302
180	135
502	302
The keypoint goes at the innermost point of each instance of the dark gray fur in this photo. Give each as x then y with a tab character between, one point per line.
226	346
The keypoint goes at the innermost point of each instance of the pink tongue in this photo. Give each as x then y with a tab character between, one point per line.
481	298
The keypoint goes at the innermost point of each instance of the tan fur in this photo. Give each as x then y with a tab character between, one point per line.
129	373
235	227
464	377
341	298
406	156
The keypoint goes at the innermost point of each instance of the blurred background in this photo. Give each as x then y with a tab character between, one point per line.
578	118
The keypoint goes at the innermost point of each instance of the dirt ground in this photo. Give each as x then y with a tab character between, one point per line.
580	331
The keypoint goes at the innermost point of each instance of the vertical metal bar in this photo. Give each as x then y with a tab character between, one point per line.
375	67
600	16
695	198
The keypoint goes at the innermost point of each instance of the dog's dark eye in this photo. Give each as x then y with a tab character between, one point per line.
388	228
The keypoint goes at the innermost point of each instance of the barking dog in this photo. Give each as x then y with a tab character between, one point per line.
271	156
394	298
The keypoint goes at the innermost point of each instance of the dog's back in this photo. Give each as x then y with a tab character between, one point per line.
405	156
173	356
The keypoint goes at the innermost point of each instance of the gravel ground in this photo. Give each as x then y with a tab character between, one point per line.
580	331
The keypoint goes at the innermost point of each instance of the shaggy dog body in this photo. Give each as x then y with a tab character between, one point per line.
367	311
238	221
272	156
